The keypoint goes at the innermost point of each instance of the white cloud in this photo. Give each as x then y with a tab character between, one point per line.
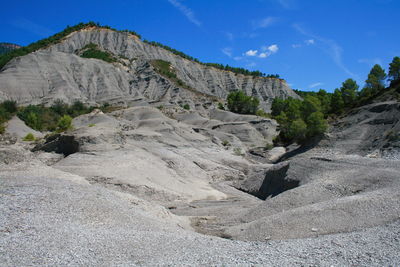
264	23
334	50
313	85
237	58
273	48
266	51
309	42
263	55
185	11
251	53
296	45
251	64
227	51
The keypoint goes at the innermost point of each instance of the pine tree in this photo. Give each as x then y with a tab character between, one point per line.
349	92
337	104
375	82
394	69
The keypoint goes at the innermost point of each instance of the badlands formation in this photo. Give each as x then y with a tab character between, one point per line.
155	184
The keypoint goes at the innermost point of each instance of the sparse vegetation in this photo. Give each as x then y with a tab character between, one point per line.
269	146
226	143
262	113
243	71
4	59
29	137
91	125
238	151
93	51
186	106
165	69
7	110
221	106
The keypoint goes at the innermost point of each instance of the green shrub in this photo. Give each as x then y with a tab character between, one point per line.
29	137
269	146
262	113
221	106
186	106
64	123
10	106
91	125
238	151
226	143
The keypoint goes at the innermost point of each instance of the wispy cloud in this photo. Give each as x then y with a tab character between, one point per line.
31	27
227	51
333	49
189	14
306	42
287	4
230	36
264	23
314	85
309	42
370	61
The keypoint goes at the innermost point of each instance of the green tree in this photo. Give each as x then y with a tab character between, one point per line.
310	105
293	109
316	124
375	82
394	69
337	104
239	102
325	99
297	131
349	92
64	123
278	105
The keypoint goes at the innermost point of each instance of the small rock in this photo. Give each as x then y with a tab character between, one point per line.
314	229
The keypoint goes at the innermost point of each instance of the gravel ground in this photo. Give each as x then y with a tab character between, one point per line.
54	222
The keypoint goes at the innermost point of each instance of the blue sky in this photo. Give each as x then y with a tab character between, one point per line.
311	43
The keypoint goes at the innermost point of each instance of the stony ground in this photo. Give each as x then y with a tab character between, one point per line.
147	189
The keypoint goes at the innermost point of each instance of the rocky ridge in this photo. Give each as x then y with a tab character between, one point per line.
58	72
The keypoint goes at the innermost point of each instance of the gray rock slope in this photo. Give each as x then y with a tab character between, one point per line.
140	182
57	72
372	130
